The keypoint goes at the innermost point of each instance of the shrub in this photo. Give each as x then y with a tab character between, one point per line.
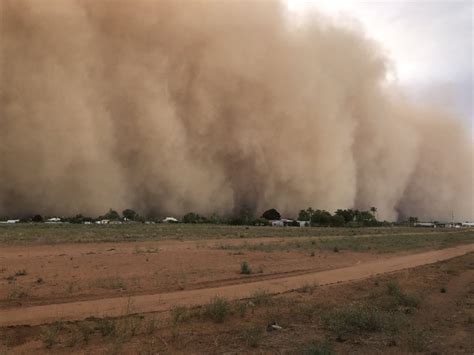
20	273
178	314
353	319
217	310
261	298
106	327
245	268
252	335
50	335
401	298
317	348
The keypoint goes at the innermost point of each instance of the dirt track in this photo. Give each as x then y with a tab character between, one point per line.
118	306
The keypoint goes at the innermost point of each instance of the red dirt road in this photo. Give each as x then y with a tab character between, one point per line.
118	306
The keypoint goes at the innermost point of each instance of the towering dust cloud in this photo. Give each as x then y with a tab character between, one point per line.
178	106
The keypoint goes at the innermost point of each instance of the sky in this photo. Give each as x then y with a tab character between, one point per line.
428	42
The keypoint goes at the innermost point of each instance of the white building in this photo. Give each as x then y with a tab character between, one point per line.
11	221
54	220
425	224
170	220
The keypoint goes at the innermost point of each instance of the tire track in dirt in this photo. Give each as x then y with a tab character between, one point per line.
119	306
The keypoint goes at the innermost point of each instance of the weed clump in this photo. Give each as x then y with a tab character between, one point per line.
217	310
245	268
252	335
50	335
353	319
401	298
178	314
318	348
21	273
261	298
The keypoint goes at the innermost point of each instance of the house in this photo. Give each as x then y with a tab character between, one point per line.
303	223
103	221
170	220
425	224
467	224
11	221
277	223
54	220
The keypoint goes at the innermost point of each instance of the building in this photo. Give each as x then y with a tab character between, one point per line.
54	220
170	220
277	223
11	221
425	224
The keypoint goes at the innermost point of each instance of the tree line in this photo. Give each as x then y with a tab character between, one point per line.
244	216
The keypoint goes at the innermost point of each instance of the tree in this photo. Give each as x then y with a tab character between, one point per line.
215	218
37	218
337	221
321	217
373	209
413	220
129	214
271	215
244	216
304	215
191	217
348	214
112	215
366	218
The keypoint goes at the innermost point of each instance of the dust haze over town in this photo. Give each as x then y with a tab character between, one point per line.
171	106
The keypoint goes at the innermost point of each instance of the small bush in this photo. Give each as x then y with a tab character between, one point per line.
86	331
242	309
21	273
110	283
252	335
336	249
17	293
245	268
106	327
418	340
353	319
151	326
401	298
317	348
261	298
217	310
443	290
50	335
178	314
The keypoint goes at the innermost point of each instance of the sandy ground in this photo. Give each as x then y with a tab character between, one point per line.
163	301
77	272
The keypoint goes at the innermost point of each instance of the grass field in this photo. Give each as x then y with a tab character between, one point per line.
425	309
72	233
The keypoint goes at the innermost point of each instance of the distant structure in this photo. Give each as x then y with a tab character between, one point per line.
11	221
425	224
285	222
277	223
54	220
170	220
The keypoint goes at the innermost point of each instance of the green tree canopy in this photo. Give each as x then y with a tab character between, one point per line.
271	214
130	214
112	215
